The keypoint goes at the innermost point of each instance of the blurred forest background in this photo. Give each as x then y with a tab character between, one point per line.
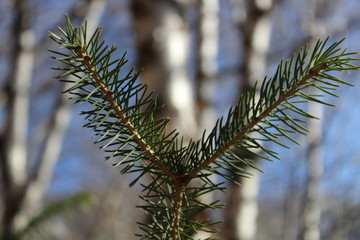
198	56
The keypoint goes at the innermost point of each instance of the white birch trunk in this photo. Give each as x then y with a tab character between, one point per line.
175	39
19	112
258	36
312	200
208	45
16	151
208	52
246	219
311	209
248	211
163	44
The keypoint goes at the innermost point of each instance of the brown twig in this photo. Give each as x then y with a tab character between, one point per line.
178	197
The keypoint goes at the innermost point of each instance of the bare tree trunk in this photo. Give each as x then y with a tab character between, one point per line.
14	161
242	207
162	42
208	44
312	199
291	205
205	78
175	40
311	209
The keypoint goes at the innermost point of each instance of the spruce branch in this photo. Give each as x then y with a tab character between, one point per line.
314	72
121	115
271	116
